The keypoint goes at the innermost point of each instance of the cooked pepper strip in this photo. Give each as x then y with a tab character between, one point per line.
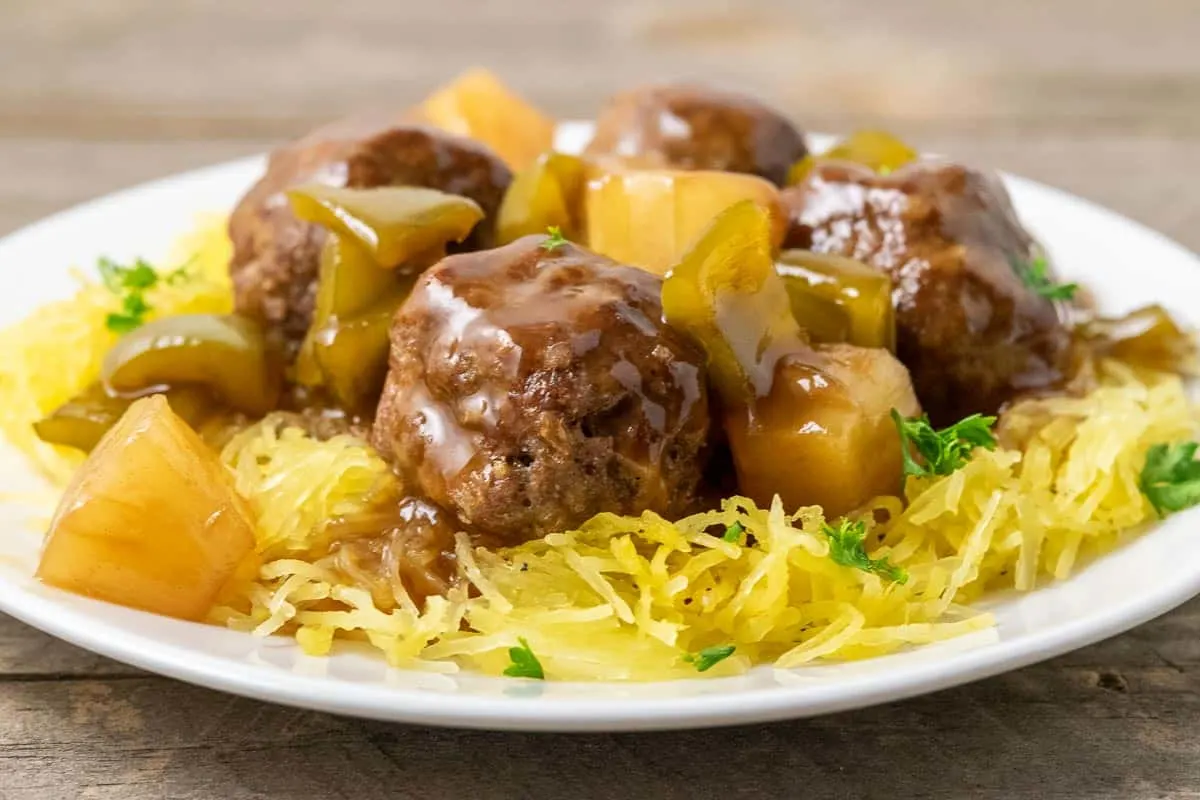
864	295
547	194
726	294
228	354
349	282
393	223
380	239
823	320
878	150
85	418
1145	337
352	354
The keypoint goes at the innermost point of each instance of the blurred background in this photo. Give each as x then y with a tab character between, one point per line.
1096	96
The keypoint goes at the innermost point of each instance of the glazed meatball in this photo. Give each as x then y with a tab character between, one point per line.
530	389
275	255
691	127
970	330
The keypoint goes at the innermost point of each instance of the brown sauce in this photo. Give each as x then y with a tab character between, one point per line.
410	544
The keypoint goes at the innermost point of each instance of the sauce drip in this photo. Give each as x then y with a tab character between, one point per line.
403	552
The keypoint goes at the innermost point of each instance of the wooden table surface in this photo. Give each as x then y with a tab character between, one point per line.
1098	97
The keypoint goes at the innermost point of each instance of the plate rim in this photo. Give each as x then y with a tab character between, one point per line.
505	712
577	715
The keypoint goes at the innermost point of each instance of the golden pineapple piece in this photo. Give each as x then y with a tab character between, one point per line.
651	218
151	520
477	105
824	434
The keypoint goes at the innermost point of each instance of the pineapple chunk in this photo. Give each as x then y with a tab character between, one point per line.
477	105
151	520
651	218
824	434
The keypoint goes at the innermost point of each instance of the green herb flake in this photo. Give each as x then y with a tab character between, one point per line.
733	534
942	451
524	663
709	657
1035	273
182	274
130	284
118	278
177	277
1170	478
122	323
846	548
141	276
554	238
111	273
133	313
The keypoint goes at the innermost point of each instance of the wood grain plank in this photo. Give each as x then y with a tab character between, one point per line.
1051	731
128	68
30	655
1115	720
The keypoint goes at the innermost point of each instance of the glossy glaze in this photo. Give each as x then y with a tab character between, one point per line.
694	127
1145	337
531	388
823	435
82	420
228	354
861	293
809	424
972	333
276	255
404	550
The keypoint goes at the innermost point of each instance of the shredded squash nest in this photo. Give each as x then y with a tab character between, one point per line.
628	598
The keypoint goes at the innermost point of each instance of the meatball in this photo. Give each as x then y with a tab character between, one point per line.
531	388
275	255
691	127
970	330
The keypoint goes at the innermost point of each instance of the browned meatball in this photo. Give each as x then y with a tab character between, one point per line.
530	389
275	255
691	127
970	330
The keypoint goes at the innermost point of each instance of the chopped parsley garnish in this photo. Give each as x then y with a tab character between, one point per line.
130	284
734	533
846	548
554	238
1170	478
524	663
181	275
118	278
709	657
1036	275
942	451
131	316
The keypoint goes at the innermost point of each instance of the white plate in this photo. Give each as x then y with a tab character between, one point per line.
1123	262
